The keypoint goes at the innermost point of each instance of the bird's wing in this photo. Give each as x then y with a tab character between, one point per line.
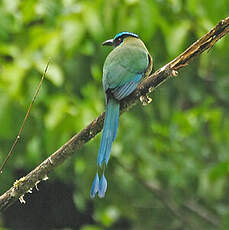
123	70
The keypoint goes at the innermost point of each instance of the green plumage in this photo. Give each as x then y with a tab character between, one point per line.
123	70
124	63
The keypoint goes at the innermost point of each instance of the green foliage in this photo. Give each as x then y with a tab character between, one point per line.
179	143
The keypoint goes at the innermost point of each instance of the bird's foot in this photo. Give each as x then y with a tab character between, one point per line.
174	73
145	100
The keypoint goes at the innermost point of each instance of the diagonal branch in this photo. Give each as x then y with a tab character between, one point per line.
159	194
172	206
25	119
25	184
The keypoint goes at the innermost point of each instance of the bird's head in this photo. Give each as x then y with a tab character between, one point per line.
118	39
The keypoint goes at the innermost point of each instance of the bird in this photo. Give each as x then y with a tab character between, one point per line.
124	68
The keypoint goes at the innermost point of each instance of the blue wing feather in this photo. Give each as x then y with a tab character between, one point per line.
123	91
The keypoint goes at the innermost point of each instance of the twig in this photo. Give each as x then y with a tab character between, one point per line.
25	119
172	206
203	213
77	141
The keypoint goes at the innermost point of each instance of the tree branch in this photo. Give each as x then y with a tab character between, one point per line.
172	206
169	204
203	213
26	183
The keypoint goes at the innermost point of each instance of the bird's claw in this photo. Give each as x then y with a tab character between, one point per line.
145	100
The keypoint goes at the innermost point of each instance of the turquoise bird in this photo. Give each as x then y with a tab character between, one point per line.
124	68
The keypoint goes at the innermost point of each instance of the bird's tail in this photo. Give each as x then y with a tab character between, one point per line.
109	134
109	131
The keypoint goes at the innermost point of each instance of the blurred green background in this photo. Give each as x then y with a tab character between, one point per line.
170	162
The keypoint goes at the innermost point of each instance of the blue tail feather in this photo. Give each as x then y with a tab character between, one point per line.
109	131
102	186
116	125
95	186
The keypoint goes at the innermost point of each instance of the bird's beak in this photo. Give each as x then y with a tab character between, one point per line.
108	43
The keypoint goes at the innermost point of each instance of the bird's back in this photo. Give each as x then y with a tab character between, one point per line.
125	62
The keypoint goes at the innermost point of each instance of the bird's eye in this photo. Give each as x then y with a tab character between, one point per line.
118	41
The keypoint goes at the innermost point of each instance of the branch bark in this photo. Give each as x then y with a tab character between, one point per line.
26	183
